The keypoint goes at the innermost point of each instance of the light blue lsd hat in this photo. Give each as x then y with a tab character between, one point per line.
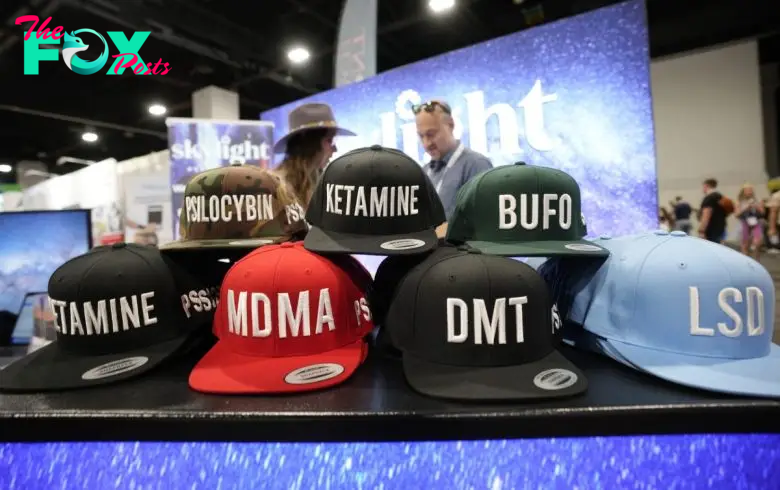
685	310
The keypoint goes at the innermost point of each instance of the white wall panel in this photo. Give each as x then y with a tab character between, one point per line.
708	122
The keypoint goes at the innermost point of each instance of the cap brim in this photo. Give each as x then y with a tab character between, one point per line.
579	248
249	243
224	371
553	376
281	145
758	377
50	368
318	240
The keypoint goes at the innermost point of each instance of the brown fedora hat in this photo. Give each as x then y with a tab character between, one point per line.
310	116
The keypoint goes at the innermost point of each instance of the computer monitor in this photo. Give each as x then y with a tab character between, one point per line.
33	245
33	310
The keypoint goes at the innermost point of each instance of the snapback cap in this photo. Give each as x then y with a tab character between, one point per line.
119	311
238	206
390	273
374	201
521	210
289	321
479	327
683	309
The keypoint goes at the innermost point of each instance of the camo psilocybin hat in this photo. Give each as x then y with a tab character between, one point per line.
240	206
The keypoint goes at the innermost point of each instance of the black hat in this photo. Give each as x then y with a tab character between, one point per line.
479	327
307	117
374	201
119	311
390	273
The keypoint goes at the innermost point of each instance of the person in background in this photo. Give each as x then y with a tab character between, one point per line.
682	214
712	222
765	226
665	219
749	211
452	164
728	208
307	148
773	214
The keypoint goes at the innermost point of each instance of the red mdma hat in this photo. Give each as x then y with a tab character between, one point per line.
288	320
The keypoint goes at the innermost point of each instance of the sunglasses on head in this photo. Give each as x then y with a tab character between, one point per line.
431	106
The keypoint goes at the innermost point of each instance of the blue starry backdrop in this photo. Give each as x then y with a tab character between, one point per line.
196	145
574	95
728	462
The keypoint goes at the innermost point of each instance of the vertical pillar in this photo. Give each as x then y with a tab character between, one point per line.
770	89
356	48
215	103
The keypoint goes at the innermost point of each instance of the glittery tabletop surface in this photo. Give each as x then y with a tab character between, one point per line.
729	462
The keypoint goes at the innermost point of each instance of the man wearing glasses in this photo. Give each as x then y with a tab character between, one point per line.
452	164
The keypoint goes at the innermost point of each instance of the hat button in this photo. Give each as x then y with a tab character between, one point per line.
520	163
286	244
605	237
661	232
377	147
119	245
678	233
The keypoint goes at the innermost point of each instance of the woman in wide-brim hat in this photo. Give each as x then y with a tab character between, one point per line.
307	147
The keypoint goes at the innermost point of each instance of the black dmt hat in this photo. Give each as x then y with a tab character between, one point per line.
479	327
390	273
374	201
119	310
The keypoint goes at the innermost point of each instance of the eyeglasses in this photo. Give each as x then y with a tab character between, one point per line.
431	106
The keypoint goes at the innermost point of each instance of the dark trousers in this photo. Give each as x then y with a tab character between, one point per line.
684	225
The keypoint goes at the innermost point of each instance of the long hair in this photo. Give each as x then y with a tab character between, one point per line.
301	165
743	193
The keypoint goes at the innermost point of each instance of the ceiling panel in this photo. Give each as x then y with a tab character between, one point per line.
240	45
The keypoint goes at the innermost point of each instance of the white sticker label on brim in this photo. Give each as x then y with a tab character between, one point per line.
555	379
115	368
403	244
582	247
252	242
314	373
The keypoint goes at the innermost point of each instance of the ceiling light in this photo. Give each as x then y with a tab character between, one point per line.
439	6
89	136
157	109
5	168
298	55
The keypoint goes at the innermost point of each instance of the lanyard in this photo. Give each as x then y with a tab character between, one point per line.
453	159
